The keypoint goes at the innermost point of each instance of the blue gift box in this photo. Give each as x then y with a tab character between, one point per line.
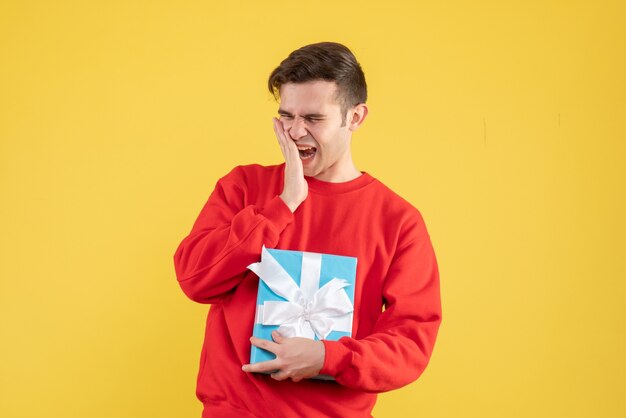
304	294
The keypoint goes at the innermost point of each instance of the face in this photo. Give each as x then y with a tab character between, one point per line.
312	117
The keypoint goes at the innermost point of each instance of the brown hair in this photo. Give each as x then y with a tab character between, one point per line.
329	61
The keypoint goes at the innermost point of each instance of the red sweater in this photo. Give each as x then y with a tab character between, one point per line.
397	308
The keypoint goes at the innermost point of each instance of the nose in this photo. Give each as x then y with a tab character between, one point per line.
297	129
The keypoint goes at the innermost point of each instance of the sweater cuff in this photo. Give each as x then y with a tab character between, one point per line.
337	358
278	213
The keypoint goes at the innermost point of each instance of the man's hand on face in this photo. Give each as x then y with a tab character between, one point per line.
296	358
295	189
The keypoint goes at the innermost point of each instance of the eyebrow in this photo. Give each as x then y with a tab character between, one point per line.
308	115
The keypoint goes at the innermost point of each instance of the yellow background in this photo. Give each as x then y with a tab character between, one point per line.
505	124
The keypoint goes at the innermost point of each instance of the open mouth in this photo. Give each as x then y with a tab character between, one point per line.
306	152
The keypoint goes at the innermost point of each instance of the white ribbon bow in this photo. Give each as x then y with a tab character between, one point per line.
309	310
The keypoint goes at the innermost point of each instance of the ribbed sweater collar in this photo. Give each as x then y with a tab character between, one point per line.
326	187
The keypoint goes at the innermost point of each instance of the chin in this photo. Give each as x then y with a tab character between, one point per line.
309	171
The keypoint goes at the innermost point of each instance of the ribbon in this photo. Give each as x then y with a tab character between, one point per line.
310	310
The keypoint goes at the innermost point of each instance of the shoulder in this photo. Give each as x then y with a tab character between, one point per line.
404	215
393	202
251	173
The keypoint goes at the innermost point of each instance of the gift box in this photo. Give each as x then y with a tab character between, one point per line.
303	294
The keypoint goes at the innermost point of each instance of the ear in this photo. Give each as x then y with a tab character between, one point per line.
356	116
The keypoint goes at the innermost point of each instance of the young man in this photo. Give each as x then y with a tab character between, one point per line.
316	201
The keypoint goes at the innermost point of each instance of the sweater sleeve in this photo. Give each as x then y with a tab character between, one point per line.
226	237
399	348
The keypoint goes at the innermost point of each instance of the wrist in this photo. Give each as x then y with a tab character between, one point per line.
292	205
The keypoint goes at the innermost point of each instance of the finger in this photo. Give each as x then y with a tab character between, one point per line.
278	337
263	367
264	344
287	144
279	124
283	133
296	379
280	132
280	375
276	130
281	128
282	138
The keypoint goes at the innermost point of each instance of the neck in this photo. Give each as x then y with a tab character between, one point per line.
340	172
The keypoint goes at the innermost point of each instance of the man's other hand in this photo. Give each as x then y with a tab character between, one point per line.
295	189
296	358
